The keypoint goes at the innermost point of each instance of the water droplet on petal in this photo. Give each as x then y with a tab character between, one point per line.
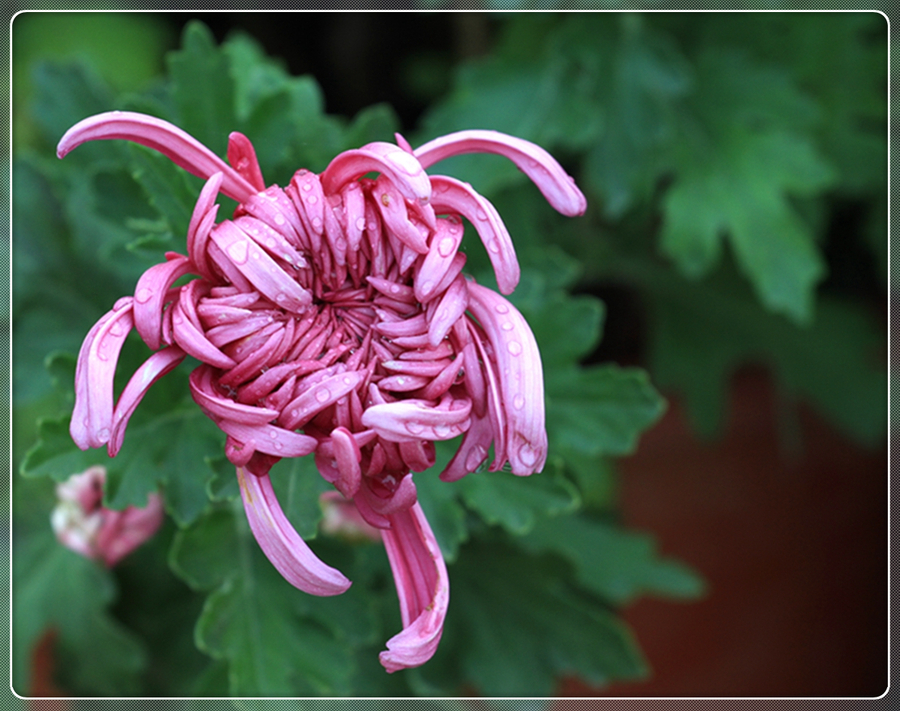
514	347
481	214
442	431
507	326
238	252
501	308
312	199
446	246
143	295
279	219
494	246
414	428
273	434
103	435
306	186
322	394
527	454
519	401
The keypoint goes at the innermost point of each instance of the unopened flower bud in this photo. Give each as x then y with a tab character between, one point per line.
84	525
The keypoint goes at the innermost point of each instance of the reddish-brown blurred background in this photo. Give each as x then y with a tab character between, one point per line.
793	546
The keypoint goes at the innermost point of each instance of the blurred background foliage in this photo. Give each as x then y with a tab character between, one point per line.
736	173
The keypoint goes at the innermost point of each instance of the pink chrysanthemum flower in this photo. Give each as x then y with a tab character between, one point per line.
84	525
332	318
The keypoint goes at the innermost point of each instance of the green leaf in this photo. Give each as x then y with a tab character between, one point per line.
737	174
168	450
171	450
517	503
600	409
202	88
55	454
54	588
277	641
523	626
271	652
65	94
203	554
617	564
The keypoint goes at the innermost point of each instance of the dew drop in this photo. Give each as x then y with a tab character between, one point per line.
279	219
527	454
322	394
445	246
507	326
519	401
317	223
307	187
501	308
442	431
494	246
514	347
427	286
279	446
273	434
414	428
143	295
312	199
103	435
238	251
481	214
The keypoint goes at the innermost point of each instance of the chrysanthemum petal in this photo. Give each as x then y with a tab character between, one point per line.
521	379
178	146
402	168
543	169
423	588
92	415
150	371
280	542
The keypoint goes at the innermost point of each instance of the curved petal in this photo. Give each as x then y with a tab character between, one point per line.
423	588
404	171
521	379
417	419
178	146
543	169
209	400
281	543
92	416
150	295
150	371
242	156
260	269
458	197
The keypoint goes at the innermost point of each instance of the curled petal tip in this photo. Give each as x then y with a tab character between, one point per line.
547	174
178	146
281	543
